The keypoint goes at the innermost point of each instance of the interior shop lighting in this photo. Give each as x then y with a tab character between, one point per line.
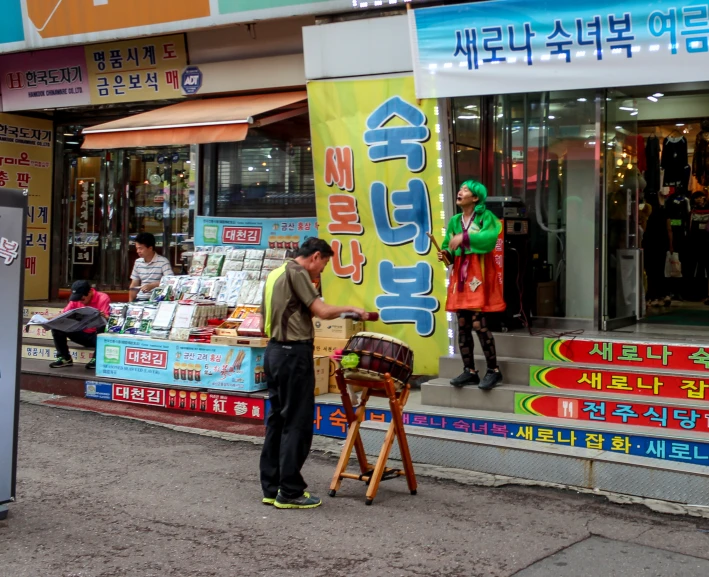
628	108
552	117
634	113
658	95
679	124
580	100
652	99
468	117
618	127
251	168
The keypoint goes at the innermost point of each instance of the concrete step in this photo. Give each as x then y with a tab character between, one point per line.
440	393
570	466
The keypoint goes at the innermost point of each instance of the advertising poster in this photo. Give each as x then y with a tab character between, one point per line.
26	148
378	180
645	356
198	365
256	233
13	206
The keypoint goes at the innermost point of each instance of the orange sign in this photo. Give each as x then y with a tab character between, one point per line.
55	18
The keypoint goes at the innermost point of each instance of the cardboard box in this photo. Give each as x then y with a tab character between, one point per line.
328	346
337	328
332	383
322	374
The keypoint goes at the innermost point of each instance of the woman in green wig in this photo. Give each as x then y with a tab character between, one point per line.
475	284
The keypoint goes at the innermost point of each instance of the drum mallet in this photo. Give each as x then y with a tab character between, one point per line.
446	261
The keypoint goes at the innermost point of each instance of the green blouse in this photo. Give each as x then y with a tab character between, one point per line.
482	233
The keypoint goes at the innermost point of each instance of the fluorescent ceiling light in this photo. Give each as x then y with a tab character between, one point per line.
629	109
658	95
652	99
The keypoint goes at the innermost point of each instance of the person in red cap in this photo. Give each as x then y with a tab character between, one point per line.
474	288
82	295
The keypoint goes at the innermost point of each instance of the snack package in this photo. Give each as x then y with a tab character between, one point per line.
116	317
254	254
161	293
235	281
184	317
189	289
231	264
134	314
199	261
252	274
165	313
146	321
238	254
264	274
252	264
214	265
272	264
276	253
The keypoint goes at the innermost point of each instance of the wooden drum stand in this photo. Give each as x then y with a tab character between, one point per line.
373	476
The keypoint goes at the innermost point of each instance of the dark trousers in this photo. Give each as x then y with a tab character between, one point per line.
87	340
290	375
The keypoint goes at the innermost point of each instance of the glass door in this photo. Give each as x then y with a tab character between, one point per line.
621	255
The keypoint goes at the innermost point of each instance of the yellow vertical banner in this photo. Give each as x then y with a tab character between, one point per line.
377	162
26	163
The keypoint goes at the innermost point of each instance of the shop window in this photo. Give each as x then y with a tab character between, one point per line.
545	175
467	137
265	177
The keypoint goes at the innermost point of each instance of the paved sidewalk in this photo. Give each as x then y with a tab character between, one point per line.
104	496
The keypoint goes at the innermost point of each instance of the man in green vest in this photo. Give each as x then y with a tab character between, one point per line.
290	301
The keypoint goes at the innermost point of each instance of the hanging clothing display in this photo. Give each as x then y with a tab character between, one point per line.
652	162
700	162
675	162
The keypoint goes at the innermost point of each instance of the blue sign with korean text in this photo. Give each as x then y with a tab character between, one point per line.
331	421
257	233
507	46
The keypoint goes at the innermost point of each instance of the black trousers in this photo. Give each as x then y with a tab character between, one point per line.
290	375
87	340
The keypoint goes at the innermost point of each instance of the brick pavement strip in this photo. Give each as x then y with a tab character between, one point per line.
105	496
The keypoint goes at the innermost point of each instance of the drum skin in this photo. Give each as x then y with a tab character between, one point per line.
380	354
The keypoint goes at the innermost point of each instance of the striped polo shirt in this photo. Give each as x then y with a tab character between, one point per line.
153	271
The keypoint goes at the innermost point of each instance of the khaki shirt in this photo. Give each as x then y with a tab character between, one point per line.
287	297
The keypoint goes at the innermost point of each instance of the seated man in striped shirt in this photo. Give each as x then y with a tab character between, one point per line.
148	269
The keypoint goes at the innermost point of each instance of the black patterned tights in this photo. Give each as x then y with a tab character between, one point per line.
469	321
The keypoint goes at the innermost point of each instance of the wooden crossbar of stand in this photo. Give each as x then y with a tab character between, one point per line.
373	475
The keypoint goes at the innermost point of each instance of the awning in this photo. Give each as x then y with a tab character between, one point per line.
195	121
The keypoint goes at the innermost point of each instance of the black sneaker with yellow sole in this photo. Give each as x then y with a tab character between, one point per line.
305	501
60	363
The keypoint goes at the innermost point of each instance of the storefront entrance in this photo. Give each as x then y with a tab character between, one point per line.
110	196
604	183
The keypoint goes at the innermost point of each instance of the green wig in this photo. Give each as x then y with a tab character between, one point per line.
478	189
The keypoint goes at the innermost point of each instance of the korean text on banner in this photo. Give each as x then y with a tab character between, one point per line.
47	79
522	46
257	233
26	163
136	70
377	164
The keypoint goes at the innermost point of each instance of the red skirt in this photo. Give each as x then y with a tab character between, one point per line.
476	284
